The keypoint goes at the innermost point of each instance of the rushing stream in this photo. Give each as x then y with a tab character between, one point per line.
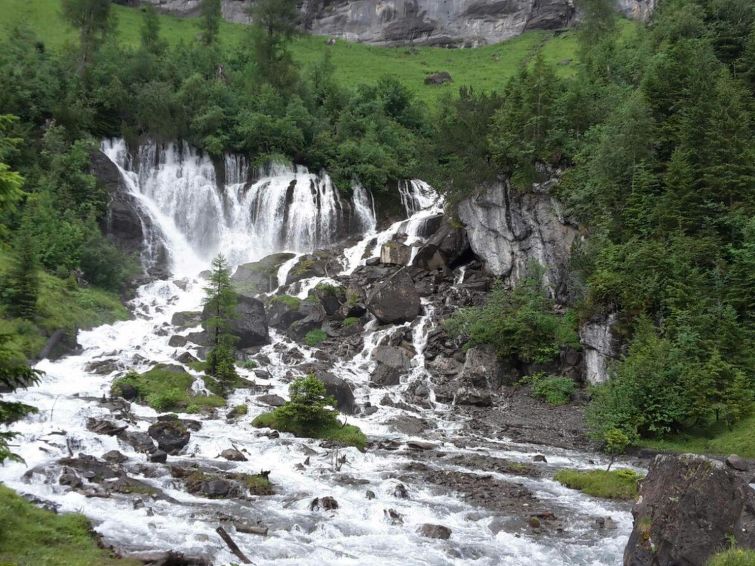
293	210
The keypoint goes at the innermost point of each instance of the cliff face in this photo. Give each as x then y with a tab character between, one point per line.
429	22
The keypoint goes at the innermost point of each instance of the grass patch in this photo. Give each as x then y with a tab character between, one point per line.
553	390
717	440
350	321
291	302
734	557
616	484
238	411
165	388
62	304
349	435
315	337
30	536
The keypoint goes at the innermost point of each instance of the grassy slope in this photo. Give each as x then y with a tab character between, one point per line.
740	440
61	305
616	484
33	537
486	68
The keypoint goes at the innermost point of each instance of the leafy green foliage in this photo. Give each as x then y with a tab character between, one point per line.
165	388
520	323
14	373
733	557
618	484
22	283
315	337
554	390
33	536
665	386
209	22
310	413
615	443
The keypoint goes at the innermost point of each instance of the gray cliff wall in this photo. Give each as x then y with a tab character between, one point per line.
432	22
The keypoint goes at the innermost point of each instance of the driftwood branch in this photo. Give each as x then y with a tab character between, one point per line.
232	545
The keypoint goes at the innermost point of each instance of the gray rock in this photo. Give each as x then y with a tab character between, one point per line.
472	396
187	358
395	253
177	341
440	78
737	463
233	455
459	23
260	276
140	441
385	376
394	300
600	347
108	428
326	503
249	324
510	229
170	435
392	356
690	507
482	369
158	457
186	319
272	400
448	247
435	531
114	457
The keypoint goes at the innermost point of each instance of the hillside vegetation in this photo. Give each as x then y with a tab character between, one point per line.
486	68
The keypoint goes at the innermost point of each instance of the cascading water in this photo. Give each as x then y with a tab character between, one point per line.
289	209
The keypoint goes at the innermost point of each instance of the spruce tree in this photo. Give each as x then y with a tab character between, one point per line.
209	23
14	374
93	19
276	23
220	305
22	281
150	32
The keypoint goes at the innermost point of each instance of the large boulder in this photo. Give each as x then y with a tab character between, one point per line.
338	388
395	300
395	253
600	347
170	434
509	230
283	311
447	247
126	223
482	368
690	507
322	263
259	276
249	324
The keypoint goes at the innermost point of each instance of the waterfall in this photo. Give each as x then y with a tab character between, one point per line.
199	213
416	196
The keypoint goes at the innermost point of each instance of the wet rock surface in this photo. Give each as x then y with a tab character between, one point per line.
690	507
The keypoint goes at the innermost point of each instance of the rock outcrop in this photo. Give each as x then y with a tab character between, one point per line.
600	347
126	224
690	507
509	230
250	324
457	23
395	300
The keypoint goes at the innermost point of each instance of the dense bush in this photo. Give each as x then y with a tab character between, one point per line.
310	413
554	390
519	323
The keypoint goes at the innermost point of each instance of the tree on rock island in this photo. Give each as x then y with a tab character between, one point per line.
220	305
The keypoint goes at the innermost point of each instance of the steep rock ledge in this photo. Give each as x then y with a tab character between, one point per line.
454	23
508	230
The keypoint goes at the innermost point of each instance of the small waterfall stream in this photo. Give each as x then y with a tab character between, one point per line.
290	209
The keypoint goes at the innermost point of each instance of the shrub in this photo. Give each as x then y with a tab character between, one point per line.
618	484
315	337
554	390
248	364
310	413
734	557
519	323
165	388
291	302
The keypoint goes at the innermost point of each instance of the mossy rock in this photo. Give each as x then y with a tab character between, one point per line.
164	388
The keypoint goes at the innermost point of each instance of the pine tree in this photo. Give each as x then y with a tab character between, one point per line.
276	23
220	305
94	21
15	373
150	32
22	281
209	23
